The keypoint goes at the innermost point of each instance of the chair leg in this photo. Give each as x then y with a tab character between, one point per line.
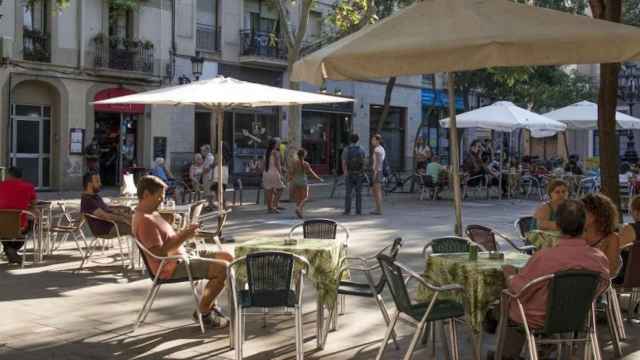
594	336
387	335
144	306
613	326
533	350
414	340
239	331
299	334
197	301
150	305
455	349
387	319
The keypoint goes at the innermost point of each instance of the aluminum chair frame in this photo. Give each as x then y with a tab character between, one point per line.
634	292
157	282
590	340
529	183
482	186
99	238
614	313
239	315
67	226
365	266
452	336
25	237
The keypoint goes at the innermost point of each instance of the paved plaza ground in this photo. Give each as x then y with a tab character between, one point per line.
49	312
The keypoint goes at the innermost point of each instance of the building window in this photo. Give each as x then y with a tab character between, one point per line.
35	16
35	38
428	80
120	23
207	31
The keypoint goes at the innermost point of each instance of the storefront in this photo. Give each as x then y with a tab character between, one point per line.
246	136
434	108
117	135
325	132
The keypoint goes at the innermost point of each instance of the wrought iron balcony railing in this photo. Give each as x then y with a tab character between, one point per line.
123	54
36	46
263	44
207	38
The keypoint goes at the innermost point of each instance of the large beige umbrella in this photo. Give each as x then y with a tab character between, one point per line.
455	35
219	94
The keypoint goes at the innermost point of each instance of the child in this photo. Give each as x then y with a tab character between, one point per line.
298	178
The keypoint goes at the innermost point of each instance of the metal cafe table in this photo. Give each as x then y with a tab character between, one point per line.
325	258
482	279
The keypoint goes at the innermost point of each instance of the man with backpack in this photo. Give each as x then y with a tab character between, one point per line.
353	166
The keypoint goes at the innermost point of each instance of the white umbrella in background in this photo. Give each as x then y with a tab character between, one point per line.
584	116
222	93
505	117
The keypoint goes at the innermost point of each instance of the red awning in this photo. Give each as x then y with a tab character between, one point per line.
124	108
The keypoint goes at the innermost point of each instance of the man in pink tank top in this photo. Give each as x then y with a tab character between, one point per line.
159	238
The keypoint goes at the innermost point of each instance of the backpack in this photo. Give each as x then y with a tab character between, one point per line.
355	160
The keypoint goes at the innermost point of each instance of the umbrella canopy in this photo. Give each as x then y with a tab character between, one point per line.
455	35
584	116
506	117
220	93
224	92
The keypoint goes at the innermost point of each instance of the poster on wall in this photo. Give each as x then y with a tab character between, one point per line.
159	147
76	141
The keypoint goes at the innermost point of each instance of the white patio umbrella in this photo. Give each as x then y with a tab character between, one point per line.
505	117
222	93
457	35
583	115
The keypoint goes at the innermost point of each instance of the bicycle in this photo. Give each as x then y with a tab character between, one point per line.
394	181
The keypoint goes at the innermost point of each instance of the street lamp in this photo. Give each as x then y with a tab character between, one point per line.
196	65
629	93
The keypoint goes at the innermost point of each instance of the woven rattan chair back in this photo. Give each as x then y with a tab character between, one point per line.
269	278
482	235
571	294
394	277
449	244
525	224
319	229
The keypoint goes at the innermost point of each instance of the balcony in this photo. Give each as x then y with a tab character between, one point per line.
123	54
262	48
36	46
207	38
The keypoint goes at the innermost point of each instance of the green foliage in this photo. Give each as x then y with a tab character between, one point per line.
570	6
631	12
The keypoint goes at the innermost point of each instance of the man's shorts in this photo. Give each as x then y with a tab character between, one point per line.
199	268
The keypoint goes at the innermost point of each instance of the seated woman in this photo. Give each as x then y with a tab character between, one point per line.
630	234
600	228
160	170
545	214
195	172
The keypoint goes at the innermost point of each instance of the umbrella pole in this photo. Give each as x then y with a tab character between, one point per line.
500	174
455	155
220	116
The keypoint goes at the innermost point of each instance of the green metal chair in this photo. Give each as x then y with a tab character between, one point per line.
449	244
570	309
272	282
421	314
370	288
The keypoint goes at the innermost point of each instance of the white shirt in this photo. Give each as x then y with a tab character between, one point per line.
208	165
380	154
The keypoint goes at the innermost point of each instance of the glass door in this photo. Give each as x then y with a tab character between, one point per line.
30	143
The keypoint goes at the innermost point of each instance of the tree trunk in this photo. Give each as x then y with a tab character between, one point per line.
610	10
387	103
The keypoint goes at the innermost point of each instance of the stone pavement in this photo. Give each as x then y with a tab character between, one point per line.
49	312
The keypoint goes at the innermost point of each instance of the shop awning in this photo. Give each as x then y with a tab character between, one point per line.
441	99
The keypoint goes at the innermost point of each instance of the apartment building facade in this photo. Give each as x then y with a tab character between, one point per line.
57	61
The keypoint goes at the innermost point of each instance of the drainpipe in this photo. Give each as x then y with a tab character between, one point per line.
172	55
8	136
81	35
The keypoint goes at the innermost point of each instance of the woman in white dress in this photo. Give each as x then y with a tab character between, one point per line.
272	176
195	172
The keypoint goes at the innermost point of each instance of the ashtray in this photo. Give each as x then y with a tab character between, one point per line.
494	255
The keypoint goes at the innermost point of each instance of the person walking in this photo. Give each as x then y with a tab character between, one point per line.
353	163
298	178
272	176
379	155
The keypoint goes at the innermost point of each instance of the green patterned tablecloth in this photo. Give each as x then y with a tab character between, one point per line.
325	259
483	281
542	239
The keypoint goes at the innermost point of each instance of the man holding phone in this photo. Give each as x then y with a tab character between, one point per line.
157	236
